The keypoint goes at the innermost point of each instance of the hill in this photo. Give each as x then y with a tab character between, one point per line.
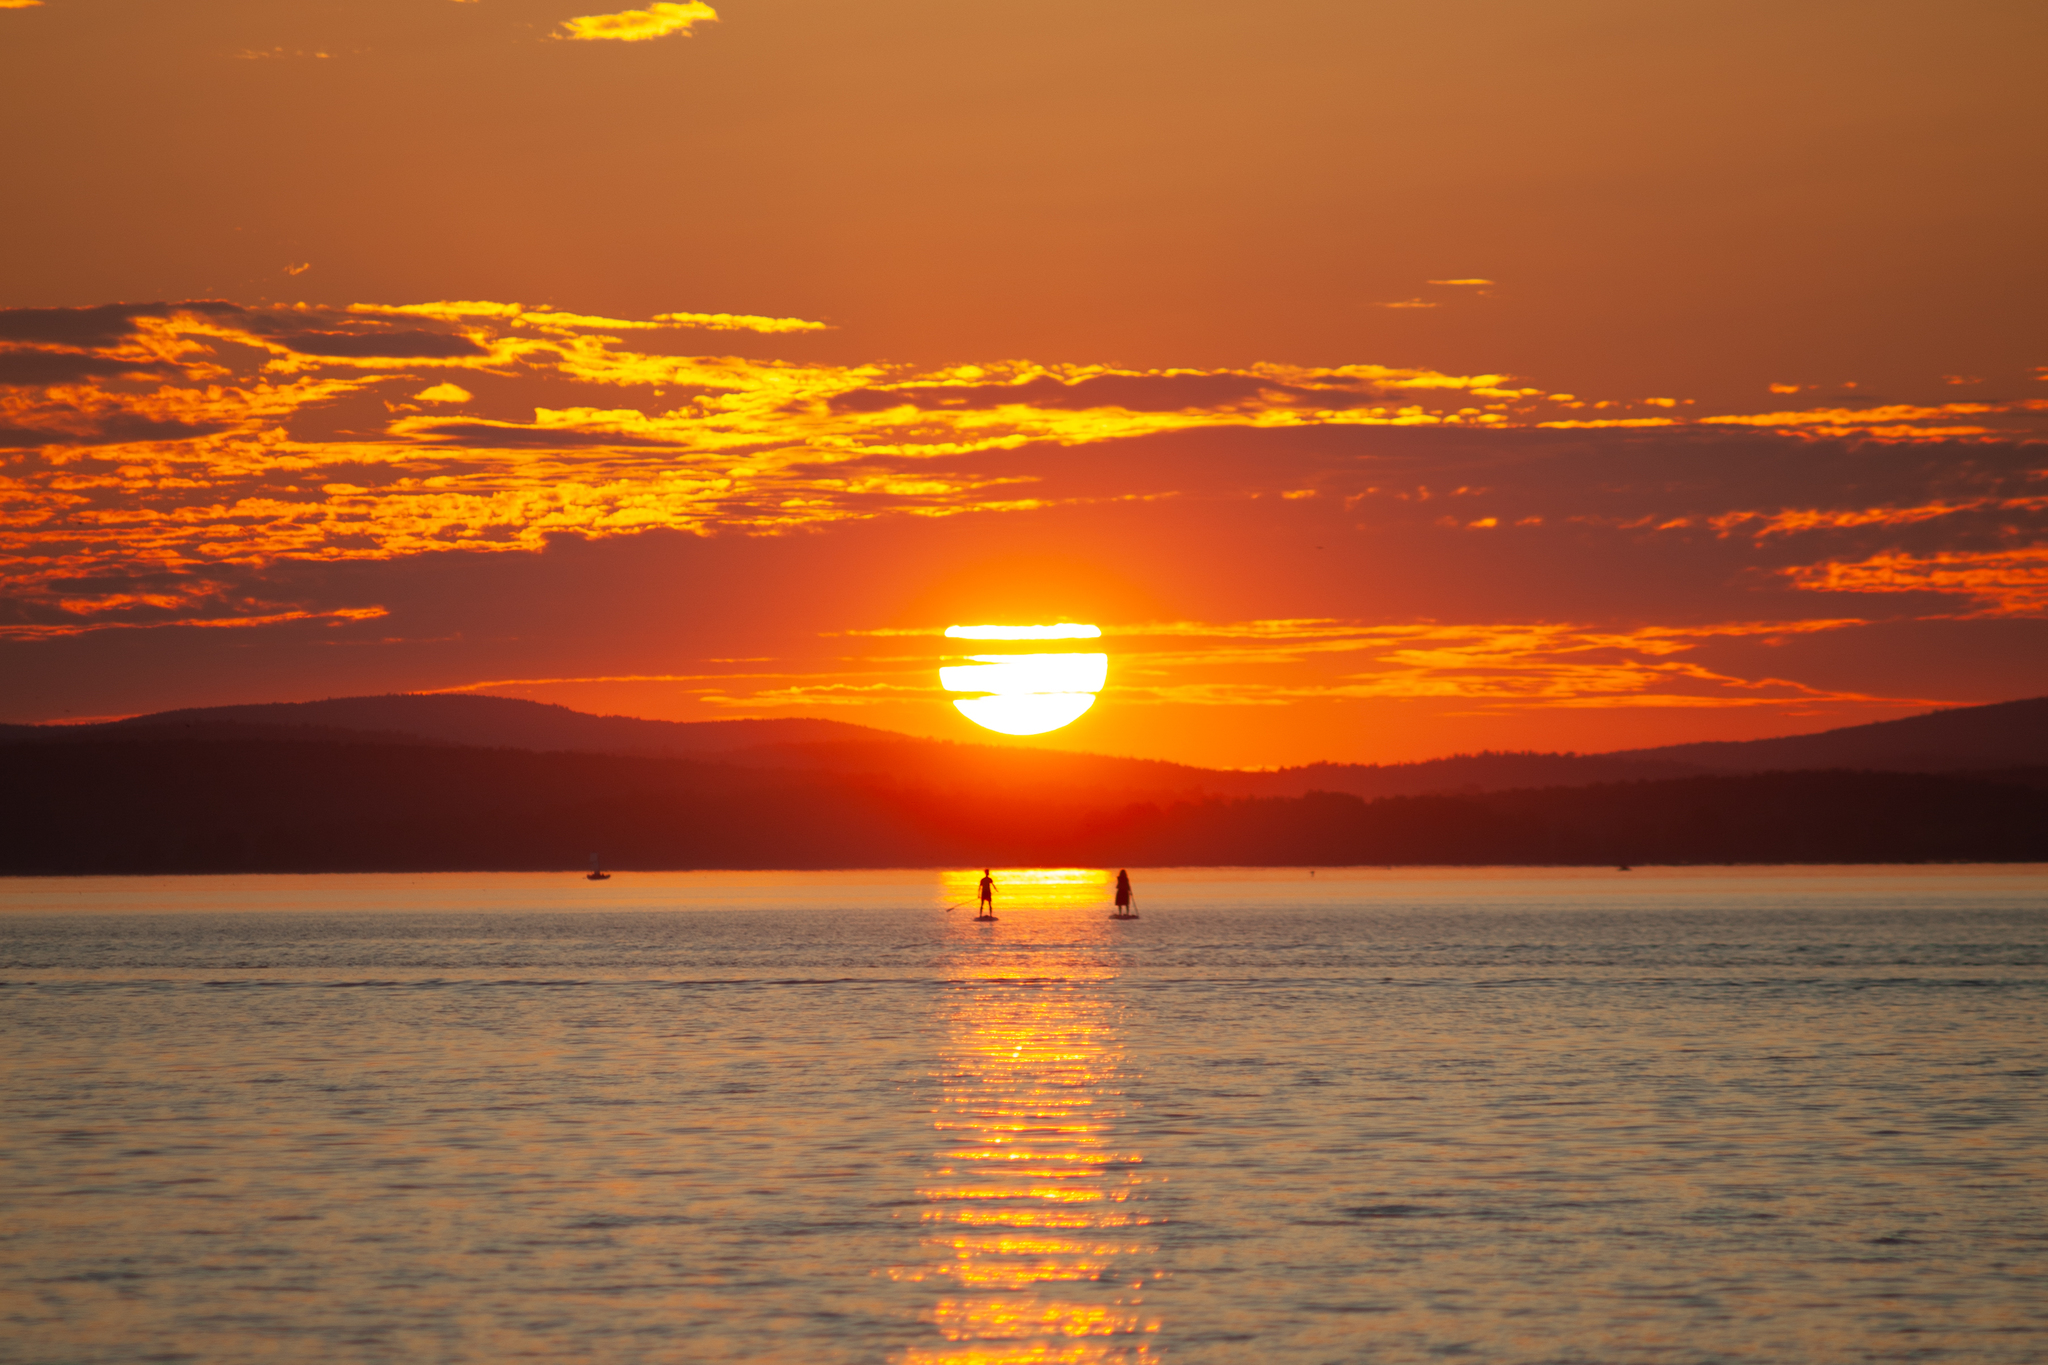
487	722
1995	736
2005	734
154	804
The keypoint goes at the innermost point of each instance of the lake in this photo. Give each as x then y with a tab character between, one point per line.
1670	1115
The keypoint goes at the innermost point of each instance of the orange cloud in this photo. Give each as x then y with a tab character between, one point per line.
16	631
2004	582
1894	421
1461	282
550	319
180	439
1763	524
639	25
740	322
1283	662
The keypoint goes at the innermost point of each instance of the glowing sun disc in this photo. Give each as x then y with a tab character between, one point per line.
1025	713
1031	692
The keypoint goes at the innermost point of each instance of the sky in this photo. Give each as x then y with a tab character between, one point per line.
1386	380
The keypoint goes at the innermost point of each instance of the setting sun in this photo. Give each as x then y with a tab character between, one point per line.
1028	693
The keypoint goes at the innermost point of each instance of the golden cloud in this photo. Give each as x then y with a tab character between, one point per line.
551	319
1893	421
639	25
182	440
1790	522
739	322
2003	582
49	631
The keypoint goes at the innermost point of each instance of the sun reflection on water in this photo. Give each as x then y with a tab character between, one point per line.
1036	888
1036	1223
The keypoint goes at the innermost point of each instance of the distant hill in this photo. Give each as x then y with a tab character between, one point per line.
2002	735
156	803
1966	739
486	722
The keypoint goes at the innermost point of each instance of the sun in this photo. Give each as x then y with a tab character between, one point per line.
1030	693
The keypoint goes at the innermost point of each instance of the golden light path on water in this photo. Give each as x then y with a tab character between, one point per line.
1035	1219
1028	693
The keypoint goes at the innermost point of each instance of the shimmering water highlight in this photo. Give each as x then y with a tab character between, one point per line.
1741	1115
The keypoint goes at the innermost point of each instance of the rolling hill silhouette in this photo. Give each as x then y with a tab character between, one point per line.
155	803
2000	735
458	782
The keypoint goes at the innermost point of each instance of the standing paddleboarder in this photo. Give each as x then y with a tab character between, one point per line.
986	906
1123	897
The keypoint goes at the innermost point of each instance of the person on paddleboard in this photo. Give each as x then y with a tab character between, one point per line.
988	892
1123	892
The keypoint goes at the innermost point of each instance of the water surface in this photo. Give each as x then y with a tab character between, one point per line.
1729	1115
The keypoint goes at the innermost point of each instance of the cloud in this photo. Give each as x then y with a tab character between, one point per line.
56	630
1469	283
1497	664
639	25
740	322
1408	303
1890	421
550	319
2001	582
19	4
394	344
97	326
183	439
41	367
1763	524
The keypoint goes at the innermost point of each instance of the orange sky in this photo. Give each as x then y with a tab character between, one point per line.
1384	379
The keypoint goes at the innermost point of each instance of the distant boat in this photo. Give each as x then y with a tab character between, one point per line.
596	874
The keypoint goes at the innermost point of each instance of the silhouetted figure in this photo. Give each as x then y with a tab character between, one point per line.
986	905
1123	897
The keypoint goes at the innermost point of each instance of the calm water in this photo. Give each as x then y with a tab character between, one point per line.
1657	1117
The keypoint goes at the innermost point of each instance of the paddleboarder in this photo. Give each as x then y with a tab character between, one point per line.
987	904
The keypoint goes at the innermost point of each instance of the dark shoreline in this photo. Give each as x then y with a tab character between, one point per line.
152	806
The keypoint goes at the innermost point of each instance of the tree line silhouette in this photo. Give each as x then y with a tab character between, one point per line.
249	805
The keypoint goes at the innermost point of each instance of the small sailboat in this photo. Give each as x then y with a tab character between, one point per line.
596	874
